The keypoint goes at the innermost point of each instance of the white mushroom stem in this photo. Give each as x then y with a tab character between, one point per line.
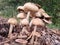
20	21
10	30
31	22
28	14
32	39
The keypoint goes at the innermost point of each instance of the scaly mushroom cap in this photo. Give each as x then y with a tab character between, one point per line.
38	22
20	8
25	22
12	21
21	15
30	7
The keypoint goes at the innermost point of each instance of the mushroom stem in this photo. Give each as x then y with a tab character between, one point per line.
32	35
35	28
28	14
10	30
20	21
32	39
31	22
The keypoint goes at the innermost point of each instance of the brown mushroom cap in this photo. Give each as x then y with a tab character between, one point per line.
21	15
21	41
21	8
38	22
12	21
30	7
25	22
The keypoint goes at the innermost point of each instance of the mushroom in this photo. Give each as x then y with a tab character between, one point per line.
47	18
30	7
21	16
12	22
25	22
21	41
20	8
36	22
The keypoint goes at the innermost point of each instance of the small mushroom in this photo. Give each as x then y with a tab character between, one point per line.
20	8
30	7
12	22
21	16
21	41
25	23
36	22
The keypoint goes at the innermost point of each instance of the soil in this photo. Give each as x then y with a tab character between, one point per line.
47	36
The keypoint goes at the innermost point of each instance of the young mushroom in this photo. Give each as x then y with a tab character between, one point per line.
25	23
12	22
21	16
20	8
36	22
47	18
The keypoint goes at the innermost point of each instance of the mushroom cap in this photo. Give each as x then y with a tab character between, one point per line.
30	7
12	21
20	8
38	22
46	15
47	21
25	22
21	15
21	41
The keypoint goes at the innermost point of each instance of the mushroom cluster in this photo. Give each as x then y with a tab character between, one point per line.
30	14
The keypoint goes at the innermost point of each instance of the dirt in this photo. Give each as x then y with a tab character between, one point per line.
47	36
